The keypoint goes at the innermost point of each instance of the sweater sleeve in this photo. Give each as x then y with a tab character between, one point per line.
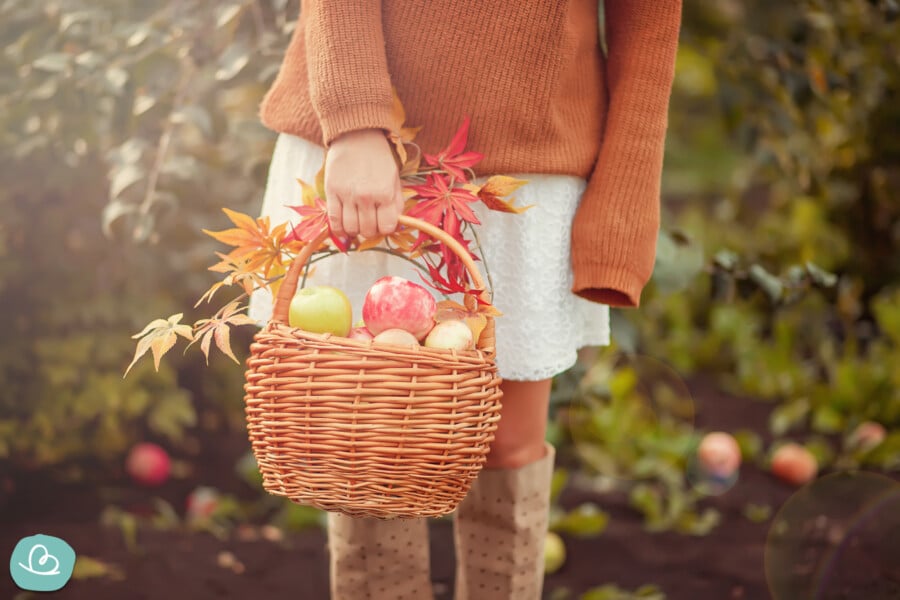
615	229
349	83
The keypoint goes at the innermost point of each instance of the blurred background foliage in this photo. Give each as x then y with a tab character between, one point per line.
126	125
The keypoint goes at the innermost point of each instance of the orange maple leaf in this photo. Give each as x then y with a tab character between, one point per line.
253	241
496	188
400	135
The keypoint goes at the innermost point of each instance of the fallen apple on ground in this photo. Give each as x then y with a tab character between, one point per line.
866	436
719	454
398	337
452	335
148	464
554	552
321	309
794	464
397	303
202	502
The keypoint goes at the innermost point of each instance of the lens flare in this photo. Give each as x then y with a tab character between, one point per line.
838	537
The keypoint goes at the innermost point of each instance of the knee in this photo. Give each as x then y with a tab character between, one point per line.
511	452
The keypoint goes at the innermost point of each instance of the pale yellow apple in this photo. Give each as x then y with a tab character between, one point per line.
321	309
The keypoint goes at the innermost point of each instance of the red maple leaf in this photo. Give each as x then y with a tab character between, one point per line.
441	283
313	220
455	268
438	198
452	158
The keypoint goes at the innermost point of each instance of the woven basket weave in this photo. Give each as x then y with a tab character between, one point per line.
369	429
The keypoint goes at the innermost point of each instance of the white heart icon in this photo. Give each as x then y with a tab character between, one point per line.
42	561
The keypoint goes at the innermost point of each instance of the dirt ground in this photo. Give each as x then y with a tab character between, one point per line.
728	564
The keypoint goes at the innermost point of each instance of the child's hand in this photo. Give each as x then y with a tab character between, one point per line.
362	185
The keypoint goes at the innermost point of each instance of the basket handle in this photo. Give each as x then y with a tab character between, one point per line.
291	279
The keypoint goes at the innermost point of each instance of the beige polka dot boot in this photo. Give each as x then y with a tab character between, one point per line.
499	529
376	559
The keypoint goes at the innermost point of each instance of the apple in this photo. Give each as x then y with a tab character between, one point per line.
202	502
453	334
554	552
321	309
719	454
398	337
866	436
794	464
148	464
360	333
397	303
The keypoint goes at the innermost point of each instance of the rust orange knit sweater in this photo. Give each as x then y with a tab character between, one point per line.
541	95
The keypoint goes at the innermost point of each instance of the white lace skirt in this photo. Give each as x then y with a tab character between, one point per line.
543	323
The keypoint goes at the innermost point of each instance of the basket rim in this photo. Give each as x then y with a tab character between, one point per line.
338	342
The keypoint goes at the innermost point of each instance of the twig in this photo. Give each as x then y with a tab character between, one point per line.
162	147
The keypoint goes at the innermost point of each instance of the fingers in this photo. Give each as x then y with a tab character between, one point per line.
335	210
362	185
389	211
368	221
350	219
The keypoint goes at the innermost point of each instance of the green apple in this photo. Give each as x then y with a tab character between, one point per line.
321	309
554	553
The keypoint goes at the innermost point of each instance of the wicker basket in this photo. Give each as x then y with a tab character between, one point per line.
369	429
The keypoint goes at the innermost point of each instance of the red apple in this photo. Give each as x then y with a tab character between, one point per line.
398	337
453	334
321	309
794	464
397	303
719	454
148	464
360	333
866	436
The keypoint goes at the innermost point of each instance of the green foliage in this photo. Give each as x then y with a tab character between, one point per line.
783	176
631	426
125	126
614	592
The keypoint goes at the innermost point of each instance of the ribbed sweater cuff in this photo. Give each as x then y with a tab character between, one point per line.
607	284
353	118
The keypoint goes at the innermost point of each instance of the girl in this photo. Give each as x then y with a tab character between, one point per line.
547	105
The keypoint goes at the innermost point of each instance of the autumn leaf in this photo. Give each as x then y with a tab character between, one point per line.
313	213
410	165
242	272
446	285
253	241
218	328
320	183
438	198
452	158
496	188
401	135
159	336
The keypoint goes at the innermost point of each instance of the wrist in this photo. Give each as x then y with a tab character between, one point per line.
359	134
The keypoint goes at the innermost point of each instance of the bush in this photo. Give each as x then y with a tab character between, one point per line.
125	126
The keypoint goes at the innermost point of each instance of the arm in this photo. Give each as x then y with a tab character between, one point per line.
622	195
350	90
349	84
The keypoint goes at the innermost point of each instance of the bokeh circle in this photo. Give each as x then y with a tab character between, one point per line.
838	537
